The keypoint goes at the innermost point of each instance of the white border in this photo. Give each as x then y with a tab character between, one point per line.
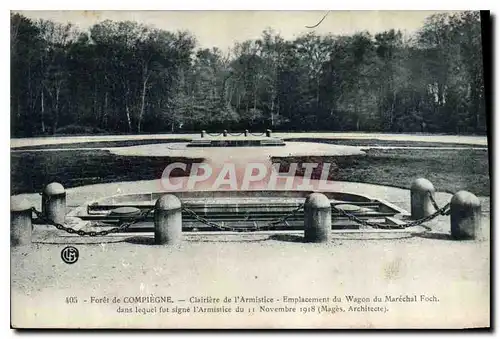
185	4
256	5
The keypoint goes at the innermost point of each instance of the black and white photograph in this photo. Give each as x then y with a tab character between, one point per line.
251	169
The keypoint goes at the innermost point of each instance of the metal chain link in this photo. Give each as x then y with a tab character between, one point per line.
434	203
257	134
439	211
272	224
235	134
82	233
214	134
269	226
286	217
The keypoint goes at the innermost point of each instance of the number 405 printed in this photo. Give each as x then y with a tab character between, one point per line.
71	300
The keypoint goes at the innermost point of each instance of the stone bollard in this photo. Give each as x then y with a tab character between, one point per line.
268	133
168	220
203	133
20	222
54	202
224	133
246	133
421	205
465	216
317	218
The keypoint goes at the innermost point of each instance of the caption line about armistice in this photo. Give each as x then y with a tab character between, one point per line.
151	305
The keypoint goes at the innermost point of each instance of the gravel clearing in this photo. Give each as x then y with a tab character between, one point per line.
456	272
256	265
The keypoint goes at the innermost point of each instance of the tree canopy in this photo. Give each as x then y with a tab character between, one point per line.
126	77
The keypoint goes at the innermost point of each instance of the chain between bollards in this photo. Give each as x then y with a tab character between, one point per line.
434	203
440	211
270	225
41	217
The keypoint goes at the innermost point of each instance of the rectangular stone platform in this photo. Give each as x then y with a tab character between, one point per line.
236	141
245	209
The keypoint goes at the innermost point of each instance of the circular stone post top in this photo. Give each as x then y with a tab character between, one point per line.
54	188
19	205
422	184
464	198
168	202
317	200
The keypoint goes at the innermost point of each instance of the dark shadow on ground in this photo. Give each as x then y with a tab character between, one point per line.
373	238
287	238
437	236
70	241
225	241
140	240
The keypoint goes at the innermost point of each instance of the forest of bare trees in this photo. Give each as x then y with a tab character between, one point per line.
125	77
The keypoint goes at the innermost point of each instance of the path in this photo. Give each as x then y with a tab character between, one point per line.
465	139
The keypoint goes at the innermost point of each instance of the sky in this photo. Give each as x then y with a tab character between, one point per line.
223	28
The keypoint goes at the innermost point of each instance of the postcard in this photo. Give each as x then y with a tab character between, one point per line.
250	170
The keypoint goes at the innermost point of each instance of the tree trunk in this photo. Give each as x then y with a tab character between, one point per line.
255	97
30	96
95	108
143	103
105	112
43	111
224	93
278	107
393	106
56	112
272	113
127	112
230	94
317	91
127	109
